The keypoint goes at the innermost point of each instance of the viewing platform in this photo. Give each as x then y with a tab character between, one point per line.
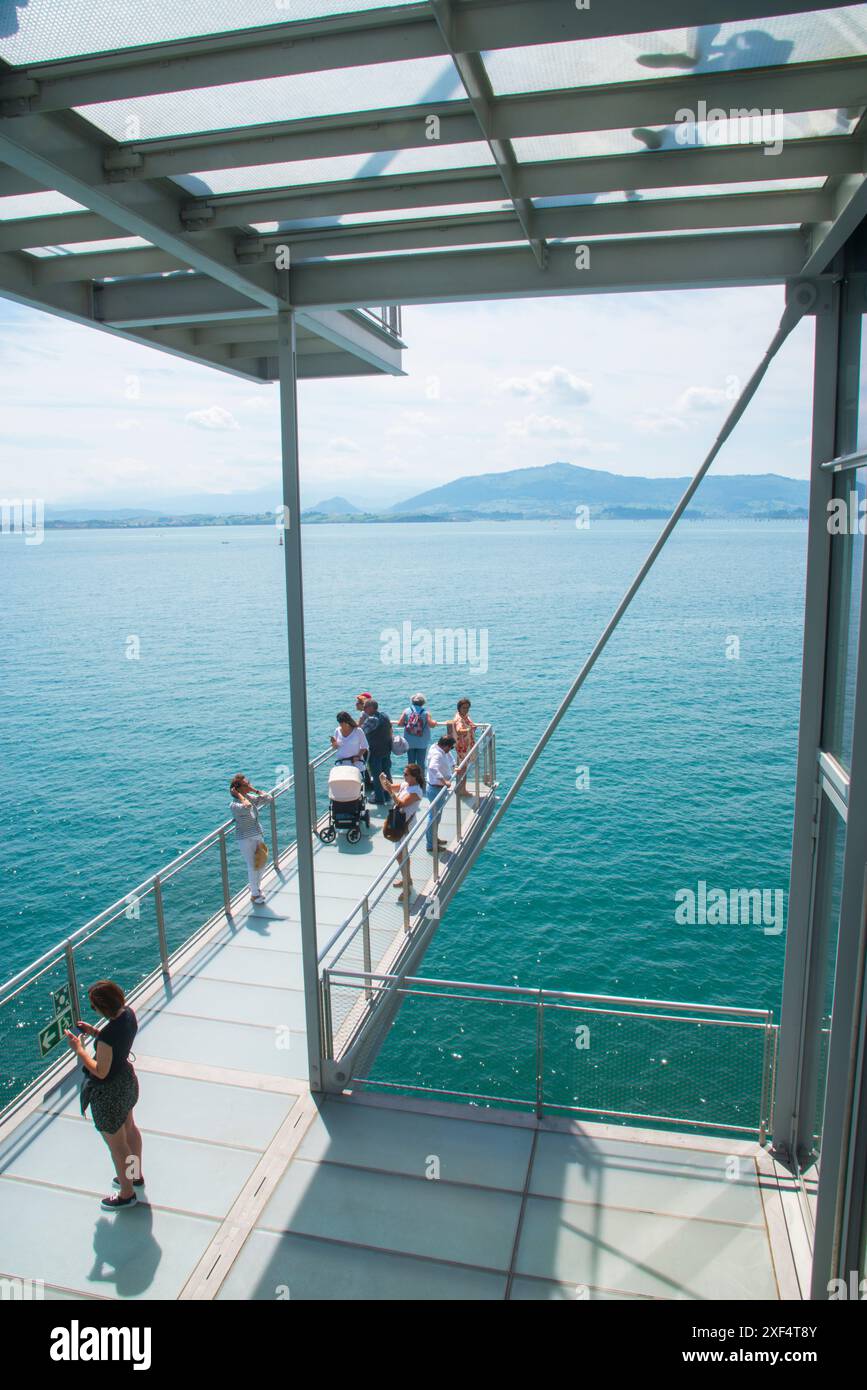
258	1189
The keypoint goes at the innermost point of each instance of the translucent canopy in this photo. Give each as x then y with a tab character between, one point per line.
38	31
165	167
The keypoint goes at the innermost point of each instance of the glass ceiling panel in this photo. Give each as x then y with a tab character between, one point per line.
36	31
360	219
373	87
36	205
702	135
709	48
82	248
705	190
427	159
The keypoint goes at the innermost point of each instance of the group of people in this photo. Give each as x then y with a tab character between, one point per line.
370	741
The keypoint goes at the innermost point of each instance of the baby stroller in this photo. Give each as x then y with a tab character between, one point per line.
347	804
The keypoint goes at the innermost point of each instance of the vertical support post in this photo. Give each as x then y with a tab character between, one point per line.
298	688
436	852
368	966
311	781
161	923
224	875
458	809
327	1029
478	788
831	353
540	1057
275	852
72	980
404	873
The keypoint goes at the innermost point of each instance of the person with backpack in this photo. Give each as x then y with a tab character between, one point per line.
417	723
378	732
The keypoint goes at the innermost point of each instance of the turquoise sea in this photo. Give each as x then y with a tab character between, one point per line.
687	728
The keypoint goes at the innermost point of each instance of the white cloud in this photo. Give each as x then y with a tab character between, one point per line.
541	427
655	422
697	399
554	384
342	446
216	417
411	424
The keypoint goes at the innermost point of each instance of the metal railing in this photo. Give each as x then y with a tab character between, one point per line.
388	316
377	924
635	1061
135	939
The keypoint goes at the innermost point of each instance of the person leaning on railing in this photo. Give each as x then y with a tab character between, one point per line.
244	810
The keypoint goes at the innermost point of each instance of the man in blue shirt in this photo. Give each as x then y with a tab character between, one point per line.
377	730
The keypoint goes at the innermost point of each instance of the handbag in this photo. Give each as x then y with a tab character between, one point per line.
260	857
399	744
394	825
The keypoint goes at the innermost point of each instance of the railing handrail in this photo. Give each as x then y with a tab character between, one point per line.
407	845
536	996
104	917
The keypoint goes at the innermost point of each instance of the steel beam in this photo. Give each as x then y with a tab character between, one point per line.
67	155
795	88
594	219
471	70
815	158
750	258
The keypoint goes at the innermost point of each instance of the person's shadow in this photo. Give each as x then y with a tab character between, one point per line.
125	1252
9	16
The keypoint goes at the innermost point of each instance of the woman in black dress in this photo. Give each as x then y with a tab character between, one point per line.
110	1087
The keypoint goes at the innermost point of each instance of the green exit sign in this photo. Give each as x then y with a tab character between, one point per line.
52	1033
60	999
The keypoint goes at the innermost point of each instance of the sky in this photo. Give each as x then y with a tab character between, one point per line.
635	384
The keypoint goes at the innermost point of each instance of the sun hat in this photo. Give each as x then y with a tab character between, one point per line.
365	695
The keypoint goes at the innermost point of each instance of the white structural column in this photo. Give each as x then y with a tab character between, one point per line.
793	1118
298	688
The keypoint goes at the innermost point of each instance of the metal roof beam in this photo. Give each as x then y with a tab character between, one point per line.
677	262
18	233
471	71
66	154
392	35
597	219
546	179
800	87
78	303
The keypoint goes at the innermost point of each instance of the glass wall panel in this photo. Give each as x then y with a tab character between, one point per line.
826	918
844	616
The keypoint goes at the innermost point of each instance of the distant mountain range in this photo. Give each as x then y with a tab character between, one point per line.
554	491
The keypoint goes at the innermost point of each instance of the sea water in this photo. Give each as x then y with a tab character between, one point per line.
141	668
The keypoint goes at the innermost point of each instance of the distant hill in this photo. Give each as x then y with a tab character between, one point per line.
333	506
556	489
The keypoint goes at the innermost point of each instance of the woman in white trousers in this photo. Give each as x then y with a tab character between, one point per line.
246	800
